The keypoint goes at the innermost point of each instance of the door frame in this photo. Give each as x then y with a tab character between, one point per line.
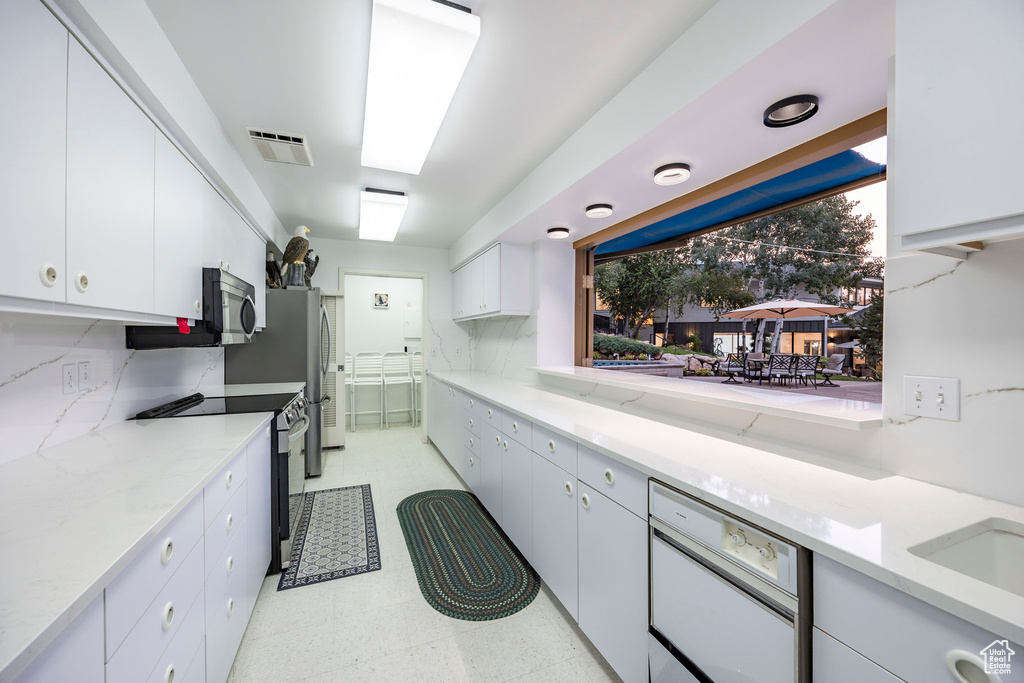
425	325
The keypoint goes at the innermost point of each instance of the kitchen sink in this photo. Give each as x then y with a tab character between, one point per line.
991	551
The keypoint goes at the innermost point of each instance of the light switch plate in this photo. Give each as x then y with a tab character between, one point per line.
69	378
937	397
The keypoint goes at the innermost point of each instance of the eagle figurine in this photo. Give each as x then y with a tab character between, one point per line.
273	272
296	249
312	260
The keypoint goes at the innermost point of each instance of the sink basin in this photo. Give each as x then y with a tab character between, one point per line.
991	551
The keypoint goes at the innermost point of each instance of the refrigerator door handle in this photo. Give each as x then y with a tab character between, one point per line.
330	341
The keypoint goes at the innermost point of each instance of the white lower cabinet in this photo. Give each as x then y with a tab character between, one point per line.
517	495
176	661
554	531
489	453
77	653
836	663
471	469
257	505
613	582
227	610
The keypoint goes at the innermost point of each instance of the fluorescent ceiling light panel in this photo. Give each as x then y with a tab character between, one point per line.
419	50
380	214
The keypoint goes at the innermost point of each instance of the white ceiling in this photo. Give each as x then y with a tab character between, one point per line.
540	70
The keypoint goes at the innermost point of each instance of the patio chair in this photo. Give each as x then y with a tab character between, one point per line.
780	367
807	367
734	363
834	366
753	364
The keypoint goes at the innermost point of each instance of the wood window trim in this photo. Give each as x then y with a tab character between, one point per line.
846	137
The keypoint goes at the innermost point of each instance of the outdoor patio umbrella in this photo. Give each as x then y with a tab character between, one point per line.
849	345
780	309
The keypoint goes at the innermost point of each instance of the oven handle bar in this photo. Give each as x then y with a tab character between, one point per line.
294	436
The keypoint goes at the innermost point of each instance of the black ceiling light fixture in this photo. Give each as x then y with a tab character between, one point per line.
791	111
558	233
671	174
599	211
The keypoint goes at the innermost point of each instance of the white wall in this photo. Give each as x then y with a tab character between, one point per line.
380	330
35	413
446	343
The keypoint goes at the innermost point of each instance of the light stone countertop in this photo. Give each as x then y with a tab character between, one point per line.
865	519
76	514
822	409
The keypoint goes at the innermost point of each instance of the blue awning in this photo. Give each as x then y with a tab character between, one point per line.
834	172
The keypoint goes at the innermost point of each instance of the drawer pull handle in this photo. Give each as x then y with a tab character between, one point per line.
470	422
470	403
48	274
169	674
229	522
968	667
497	441
568	488
515	426
471	462
504	444
168	616
490	413
609	477
231	563
585	499
82	282
551	446
471	443
166	551
228	478
231	606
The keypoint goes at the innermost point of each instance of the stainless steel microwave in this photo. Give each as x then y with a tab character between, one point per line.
229	317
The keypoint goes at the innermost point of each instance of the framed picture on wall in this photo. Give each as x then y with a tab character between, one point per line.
380	300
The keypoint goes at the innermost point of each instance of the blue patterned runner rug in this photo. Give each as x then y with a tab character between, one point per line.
466	567
336	537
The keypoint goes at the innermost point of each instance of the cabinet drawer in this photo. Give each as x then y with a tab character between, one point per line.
517	428
226	611
850	606
176	660
623	484
471	422
555	447
160	622
836	663
223	486
471	441
225	527
134	588
196	672
488	412
471	470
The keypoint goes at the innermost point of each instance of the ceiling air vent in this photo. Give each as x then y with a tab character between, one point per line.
281	147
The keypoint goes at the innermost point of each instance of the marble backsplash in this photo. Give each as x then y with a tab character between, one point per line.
34	410
504	346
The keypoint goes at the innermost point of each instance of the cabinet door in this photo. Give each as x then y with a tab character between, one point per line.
554	531
248	261
215	228
76	654
257	502
453	429
460	283
435	408
33	80
110	157
471	470
491	279
178	233
613	583
490	470
517	495
475	302
836	663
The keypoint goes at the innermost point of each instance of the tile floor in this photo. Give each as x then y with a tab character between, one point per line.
376	626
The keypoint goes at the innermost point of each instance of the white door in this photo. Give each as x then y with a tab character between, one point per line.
475	304
554	530
33	80
460	283
178	230
491	298
258	496
517	494
109	192
214	229
613	582
490	470
335	421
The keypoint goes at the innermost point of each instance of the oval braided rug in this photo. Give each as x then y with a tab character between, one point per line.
466	567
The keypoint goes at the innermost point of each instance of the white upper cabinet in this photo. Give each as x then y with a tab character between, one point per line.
959	91
497	282
33	117
251	266
110	159
178	236
217	217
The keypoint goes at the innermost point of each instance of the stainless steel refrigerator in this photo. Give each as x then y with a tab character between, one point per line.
294	347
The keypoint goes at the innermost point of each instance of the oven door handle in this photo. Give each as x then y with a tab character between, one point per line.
294	436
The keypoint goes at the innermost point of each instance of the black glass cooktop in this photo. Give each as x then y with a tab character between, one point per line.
197	404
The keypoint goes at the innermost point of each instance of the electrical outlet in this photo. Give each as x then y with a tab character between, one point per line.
84	375
458	351
937	397
69	378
